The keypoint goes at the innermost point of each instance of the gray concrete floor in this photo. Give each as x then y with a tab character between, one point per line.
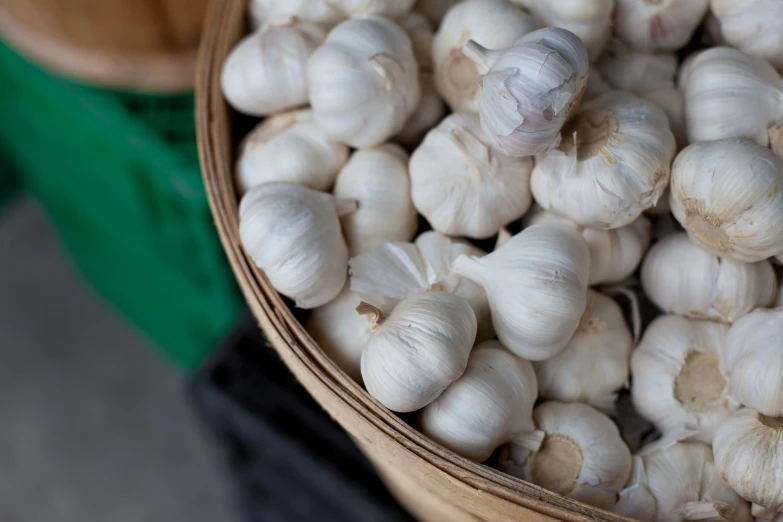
94	427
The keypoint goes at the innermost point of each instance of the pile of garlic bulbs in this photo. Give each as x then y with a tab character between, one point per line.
465	265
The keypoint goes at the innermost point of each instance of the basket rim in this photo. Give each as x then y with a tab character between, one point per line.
288	337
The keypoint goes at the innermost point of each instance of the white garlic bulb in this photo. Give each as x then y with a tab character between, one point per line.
687	485
402	270
753	26
635	499
596	361
494	24
267	71
729	94
489	405
422	35
614	254
536	284
748	450
415	352
658	25
306	258
612	163
728	194
637	72
341	332
681	278
679	379
315	11
434	10
582	457
430	111
462	185
364	8
363	81
377	178
590	20
289	147
530	89
754	359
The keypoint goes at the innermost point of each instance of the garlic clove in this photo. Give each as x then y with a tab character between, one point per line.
427	115
679	376
415	352
582	456
753	26
536	284
293	234
612	164
266	72
530	89
377	178
489	405
365	8
464	187
363	81
681	278
728	195
291	148
495	24
314	11
659	25
422	36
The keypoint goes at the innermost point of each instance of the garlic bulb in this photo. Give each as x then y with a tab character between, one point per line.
679	379
748	450
729	94
596	361
462	185
289	147
267	71
536	284
728	195
530	89
590	20
635	499
341	332
491	404
315	11
305	258
495	24
686	485
753	26
681	278
582	456
402	270
377	178
415	352
422	35
614	254
364	82
754	359
613	162
658	25
434	10
430	111
364	8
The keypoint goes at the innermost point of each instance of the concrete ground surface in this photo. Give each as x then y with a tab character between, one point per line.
94	425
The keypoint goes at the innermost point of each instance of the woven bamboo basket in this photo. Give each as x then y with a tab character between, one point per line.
435	484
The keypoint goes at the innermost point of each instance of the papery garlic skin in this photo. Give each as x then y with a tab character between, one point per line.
635	499
659	25
418	350
377	178
753	26
364	8
748	450
434	10
754	358
582	457
728	194
596	361
462	185
536	284
315	11
494	24
266	72
430	111
729	94
490	404
363	81
291	148
422	36
681	278
687	485
679	379
293	234
613	162
530	89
